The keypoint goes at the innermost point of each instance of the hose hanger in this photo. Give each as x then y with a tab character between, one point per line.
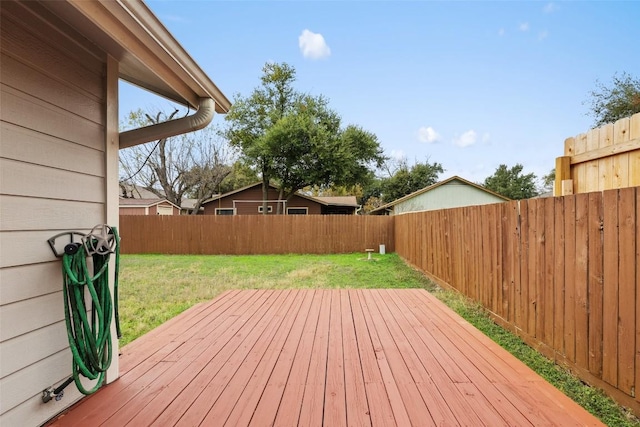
88	329
101	240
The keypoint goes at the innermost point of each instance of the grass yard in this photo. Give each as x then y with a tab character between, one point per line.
155	288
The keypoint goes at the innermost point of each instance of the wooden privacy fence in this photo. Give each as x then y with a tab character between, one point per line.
254	234
604	158
561	272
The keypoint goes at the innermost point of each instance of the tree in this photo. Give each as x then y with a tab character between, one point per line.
295	139
240	176
189	165
335	191
250	118
511	183
548	181
611	103
405	179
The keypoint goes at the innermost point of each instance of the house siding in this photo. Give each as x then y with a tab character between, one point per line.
148	210
247	202
52	179
140	211
450	195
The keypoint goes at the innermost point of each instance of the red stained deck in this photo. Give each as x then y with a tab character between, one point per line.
323	357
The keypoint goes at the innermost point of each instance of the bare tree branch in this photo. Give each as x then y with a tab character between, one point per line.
186	166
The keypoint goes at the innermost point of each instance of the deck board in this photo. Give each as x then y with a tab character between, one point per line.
322	358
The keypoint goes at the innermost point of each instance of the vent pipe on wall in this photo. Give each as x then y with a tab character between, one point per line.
197	121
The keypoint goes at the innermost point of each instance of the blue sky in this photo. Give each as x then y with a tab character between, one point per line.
470	85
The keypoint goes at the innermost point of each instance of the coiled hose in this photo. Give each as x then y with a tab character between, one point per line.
89	331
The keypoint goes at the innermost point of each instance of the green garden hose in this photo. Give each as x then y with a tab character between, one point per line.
89	331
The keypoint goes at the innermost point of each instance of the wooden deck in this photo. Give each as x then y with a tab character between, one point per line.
323	357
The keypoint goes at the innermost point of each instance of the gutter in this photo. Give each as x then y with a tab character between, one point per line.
197	121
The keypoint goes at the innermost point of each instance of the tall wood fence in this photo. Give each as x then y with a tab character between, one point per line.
561	272
255	234
604	158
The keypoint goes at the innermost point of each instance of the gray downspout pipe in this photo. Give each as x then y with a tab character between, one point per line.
197	121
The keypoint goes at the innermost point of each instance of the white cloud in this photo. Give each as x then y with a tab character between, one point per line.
466	139
486	137
550	7
524	26
543	35
313	46
501	32
428	135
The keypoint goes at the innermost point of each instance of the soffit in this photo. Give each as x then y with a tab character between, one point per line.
148	55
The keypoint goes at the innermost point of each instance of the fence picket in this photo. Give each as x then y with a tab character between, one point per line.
559	275
581	280
610	288
548	302
595	291
627	291
570	278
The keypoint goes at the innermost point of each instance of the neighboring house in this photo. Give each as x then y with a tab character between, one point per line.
543	195
339	205
451	193
248	201
148	207
129	191
188	205
61	62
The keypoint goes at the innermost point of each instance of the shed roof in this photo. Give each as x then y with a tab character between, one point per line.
339	200
436	185
148	55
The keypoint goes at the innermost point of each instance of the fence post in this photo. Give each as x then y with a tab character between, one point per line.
563	173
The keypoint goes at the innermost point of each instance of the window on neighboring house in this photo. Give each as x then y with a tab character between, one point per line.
261	210
297	211
225	211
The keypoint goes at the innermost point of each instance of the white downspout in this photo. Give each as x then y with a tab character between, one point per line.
197	121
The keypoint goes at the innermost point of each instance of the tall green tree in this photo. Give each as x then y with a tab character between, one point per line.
240	176
512	183
295	139
609	103
407	179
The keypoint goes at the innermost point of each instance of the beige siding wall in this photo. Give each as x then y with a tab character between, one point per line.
52	179
450	195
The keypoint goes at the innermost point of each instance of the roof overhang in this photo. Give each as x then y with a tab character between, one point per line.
148	55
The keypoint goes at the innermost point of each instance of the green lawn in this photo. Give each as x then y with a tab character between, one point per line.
155	288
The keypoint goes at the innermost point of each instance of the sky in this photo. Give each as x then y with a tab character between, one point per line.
468	84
